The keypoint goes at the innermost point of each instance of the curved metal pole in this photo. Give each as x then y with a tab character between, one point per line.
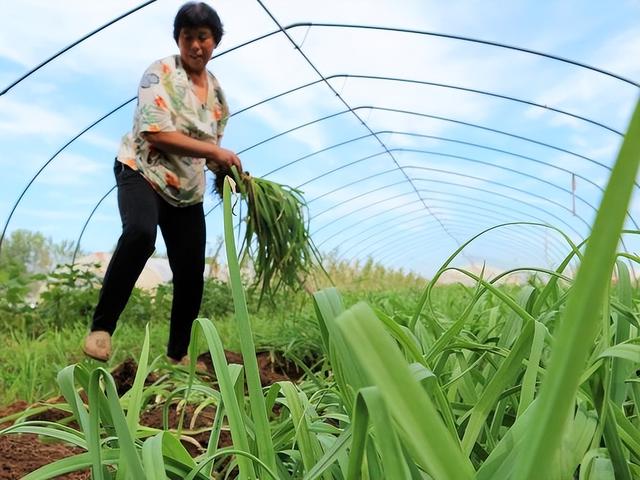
410	203
485	93
512	199
516	172
445	171
503	239
86	223
360	195
434	117
412	250
445	139
279	135
504	186
424	237
317	230
470	222
511	170
385	224
355	224
504	236
460	185
475	201
514	188
421	242
483	214
482	220
466	205
24	191
434	84
448	140
467	39
409	249
389	223
493	130
497	150
69	47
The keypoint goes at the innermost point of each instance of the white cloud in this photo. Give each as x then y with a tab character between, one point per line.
73	170
20	118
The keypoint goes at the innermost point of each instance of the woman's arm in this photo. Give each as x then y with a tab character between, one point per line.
178	143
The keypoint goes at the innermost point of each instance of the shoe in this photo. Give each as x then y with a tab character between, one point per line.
97	345
186	361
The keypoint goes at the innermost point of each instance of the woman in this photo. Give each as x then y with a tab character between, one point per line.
178	123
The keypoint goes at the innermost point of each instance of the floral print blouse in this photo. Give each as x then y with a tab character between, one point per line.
167	103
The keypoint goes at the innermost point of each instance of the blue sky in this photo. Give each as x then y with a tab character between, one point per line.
412	217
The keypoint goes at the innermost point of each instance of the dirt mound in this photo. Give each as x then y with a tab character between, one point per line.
273	366
22	454
197	440
125	373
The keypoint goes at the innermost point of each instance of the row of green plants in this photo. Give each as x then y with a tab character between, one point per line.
43	333
546	390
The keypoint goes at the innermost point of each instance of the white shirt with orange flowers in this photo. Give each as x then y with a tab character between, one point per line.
168	103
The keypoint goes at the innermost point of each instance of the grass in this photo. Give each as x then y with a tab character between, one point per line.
33	356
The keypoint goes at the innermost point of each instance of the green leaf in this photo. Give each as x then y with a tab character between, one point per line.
421	427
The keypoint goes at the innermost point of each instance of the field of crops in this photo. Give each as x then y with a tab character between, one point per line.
494	381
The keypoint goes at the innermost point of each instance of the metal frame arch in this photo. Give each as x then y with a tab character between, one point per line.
505	236
454	173
503	239
474	204
469	222
418	240
413	249
533	177
284	133
518	212
388	171
484	93
540	197
470	187
465	39
470	218
435	117
86	223
70	46
434	84
516	172
437	182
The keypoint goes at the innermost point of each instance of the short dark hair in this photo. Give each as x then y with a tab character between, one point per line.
196	15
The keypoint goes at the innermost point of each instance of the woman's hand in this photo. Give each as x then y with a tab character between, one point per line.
226	158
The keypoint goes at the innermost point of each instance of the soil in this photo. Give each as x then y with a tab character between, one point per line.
21	454
273	367
24	453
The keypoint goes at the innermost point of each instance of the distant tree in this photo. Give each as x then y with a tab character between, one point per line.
27	252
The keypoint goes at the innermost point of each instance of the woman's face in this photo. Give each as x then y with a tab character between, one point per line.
196	47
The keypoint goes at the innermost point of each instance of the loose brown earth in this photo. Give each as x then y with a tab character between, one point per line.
24	453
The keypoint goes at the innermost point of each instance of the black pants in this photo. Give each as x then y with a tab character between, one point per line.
183	228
